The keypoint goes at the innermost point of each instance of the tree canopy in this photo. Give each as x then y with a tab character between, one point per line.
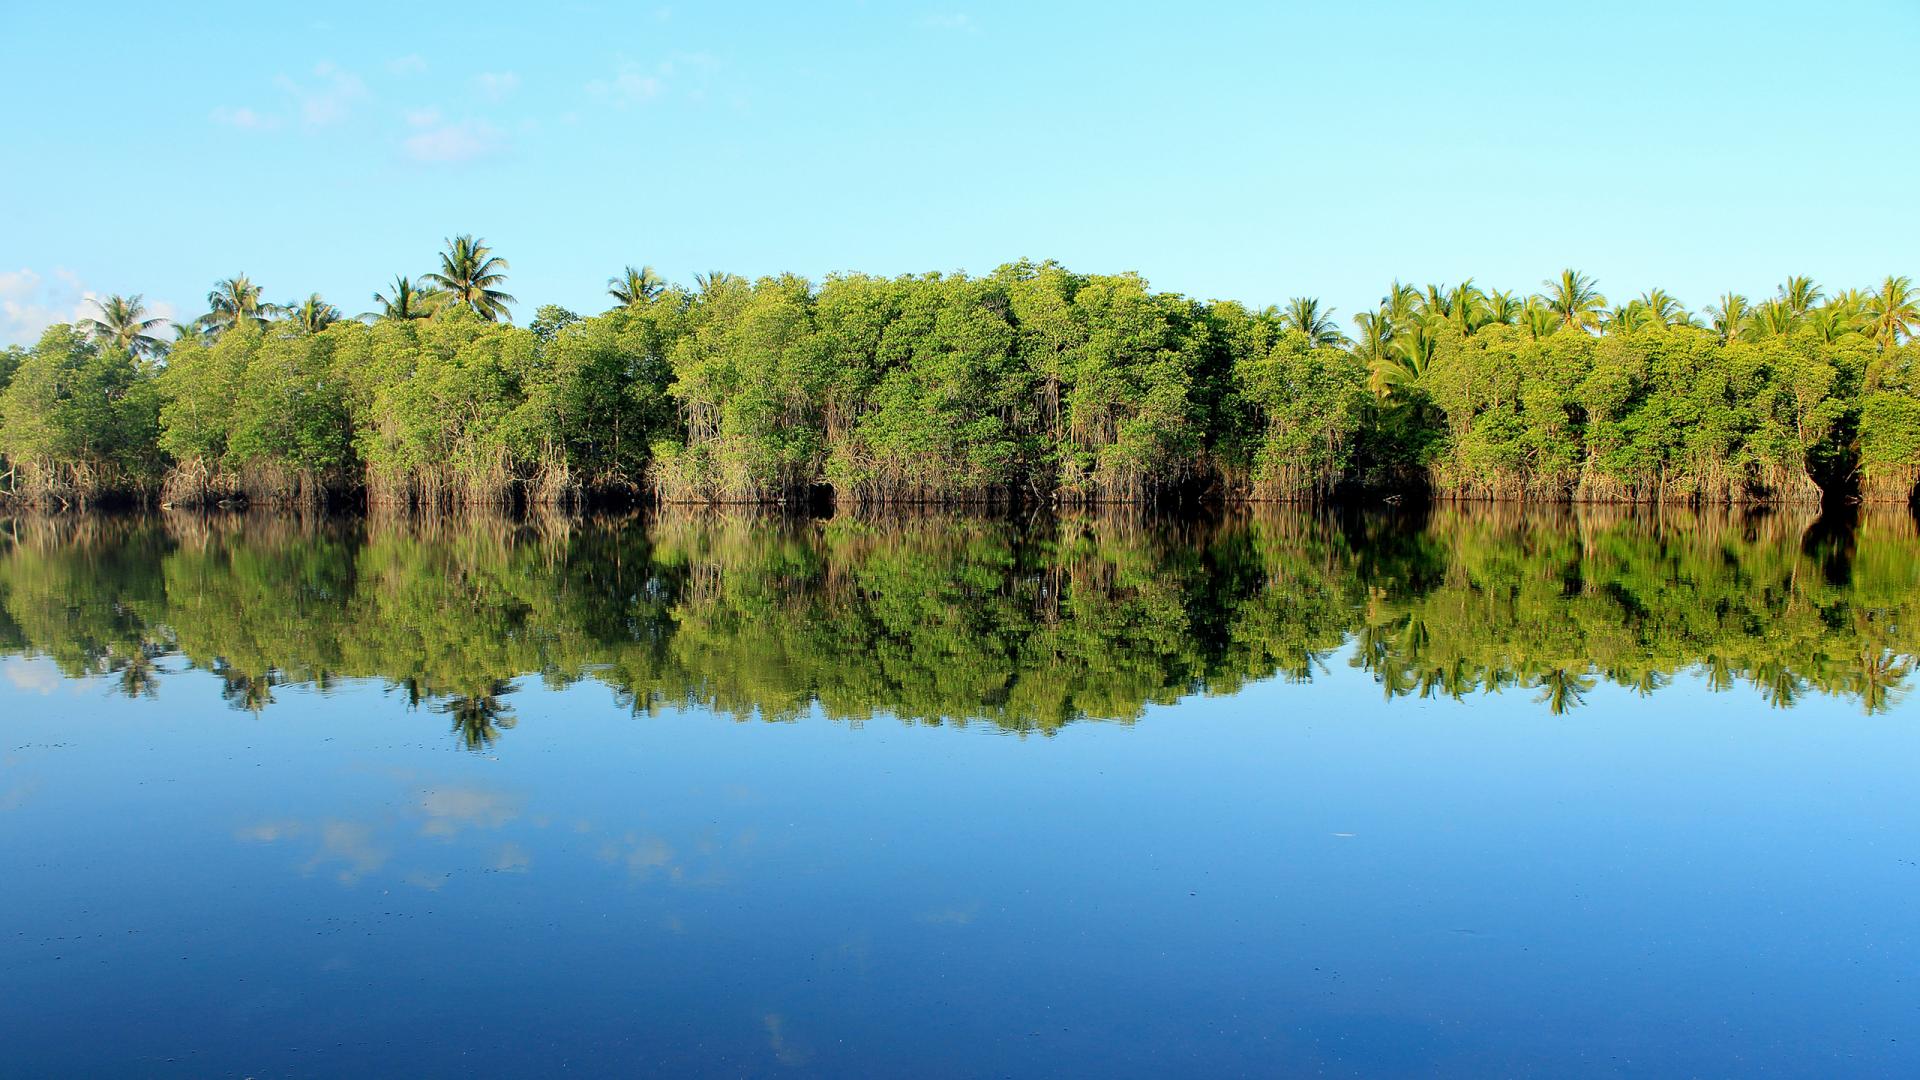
1032	384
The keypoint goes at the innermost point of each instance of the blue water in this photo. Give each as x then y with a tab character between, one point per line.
1285	878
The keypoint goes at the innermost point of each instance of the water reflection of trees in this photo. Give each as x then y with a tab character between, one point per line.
1028	624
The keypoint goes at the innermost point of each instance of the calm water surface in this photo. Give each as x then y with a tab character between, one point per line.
1462	793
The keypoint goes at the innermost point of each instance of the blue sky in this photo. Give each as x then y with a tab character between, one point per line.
1251	151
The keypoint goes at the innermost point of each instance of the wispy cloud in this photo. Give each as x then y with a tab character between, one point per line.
631	85
436	143
496	85
410	64
244	118
31	302
634	84
325	97
329	98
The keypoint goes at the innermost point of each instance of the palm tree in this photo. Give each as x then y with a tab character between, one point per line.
1539	319
1661	309
1799	294
469	272
405	299
1775	318
185	332
312	315
1502	308
635	287
1435	303
1303	314
1894	311
1575	299
1843	316
1401	304
123	325
711	280
1467	307
1374	347
235	301
1630	316
1731	316
1412	353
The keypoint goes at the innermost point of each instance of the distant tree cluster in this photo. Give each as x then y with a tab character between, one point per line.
1030	384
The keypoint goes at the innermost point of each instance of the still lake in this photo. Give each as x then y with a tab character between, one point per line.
1461	792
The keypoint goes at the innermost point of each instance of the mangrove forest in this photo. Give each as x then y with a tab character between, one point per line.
1030	385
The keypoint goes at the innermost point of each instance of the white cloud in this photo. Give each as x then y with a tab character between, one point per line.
410	64
244	118
34	676
631	85
426	116
452	143
329	99
450	809
29	303
496	85
637	84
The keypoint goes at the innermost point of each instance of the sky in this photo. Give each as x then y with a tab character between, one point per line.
1251	151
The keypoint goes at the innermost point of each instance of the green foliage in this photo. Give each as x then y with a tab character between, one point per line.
1026	625
1032	383
594	401
11	358
78	421
1309	398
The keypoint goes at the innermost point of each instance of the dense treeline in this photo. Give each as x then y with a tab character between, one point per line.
1030	384
936	618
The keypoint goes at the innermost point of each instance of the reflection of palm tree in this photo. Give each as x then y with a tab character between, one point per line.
139	677
1561	689
250	692
1879	677
1779	684
479	718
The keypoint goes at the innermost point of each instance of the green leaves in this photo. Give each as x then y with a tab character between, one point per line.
470	274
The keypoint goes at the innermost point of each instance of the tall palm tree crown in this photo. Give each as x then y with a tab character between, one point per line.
1303	314
123	324
1893	313
1731	316
1575	299
405	299
312	315
635	286
470	273
1798	294
235	301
